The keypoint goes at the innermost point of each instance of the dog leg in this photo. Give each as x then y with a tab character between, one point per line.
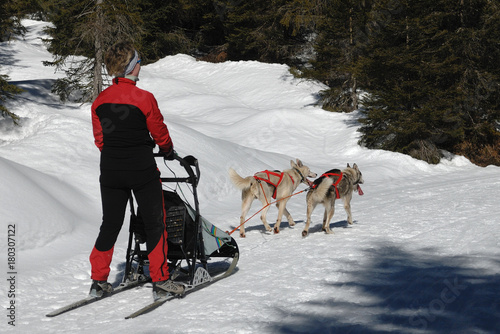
264	193
245	207
281	210
288	216
327	217
263	217
310	209
347	207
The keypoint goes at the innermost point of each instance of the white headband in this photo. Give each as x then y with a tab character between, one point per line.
133	62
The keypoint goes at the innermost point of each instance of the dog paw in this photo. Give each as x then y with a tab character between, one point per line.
242	235
291	224
276	230
304	234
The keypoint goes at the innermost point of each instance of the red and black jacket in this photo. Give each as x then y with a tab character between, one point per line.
127	124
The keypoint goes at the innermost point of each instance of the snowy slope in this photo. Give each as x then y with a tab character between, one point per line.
421	257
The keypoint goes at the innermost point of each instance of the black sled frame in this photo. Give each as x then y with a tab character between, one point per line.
192	240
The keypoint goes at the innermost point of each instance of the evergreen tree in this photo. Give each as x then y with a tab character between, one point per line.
7	91
163	33
11	13
340	41
268	31
180	26
431	86
203	24
88	28
249	26
476	43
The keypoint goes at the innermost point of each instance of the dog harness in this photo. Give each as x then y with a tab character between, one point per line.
334	185
268	180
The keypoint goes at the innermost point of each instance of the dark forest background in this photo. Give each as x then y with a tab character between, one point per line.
424	75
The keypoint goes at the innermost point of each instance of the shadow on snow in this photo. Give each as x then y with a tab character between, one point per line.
402	292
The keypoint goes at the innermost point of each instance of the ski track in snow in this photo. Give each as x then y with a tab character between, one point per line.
421	257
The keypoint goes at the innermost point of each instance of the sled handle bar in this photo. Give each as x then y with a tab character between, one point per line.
188	162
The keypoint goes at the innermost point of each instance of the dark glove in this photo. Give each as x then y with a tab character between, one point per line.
170	155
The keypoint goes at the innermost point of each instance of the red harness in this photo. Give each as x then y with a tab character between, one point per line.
268	180
334	185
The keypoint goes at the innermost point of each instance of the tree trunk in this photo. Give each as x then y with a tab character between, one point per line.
99	53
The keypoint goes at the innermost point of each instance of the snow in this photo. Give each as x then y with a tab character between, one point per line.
421	257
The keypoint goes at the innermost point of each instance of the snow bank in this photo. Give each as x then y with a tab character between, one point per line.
42	207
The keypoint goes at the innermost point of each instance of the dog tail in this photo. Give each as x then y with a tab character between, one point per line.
320	191
240	182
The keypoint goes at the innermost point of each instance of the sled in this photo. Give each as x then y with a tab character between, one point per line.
193	243
198	251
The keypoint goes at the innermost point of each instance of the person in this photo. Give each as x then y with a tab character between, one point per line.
127	124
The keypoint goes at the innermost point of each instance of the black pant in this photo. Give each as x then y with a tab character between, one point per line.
116	187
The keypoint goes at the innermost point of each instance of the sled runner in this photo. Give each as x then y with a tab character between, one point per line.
192	240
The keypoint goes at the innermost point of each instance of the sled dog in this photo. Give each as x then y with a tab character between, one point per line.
330	186
269	186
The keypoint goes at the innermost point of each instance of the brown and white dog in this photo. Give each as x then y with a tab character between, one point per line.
333	185
268	186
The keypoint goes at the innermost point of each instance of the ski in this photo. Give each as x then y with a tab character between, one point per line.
89	300
198	284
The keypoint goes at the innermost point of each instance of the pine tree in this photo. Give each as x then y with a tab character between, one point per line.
300	19
249	26
87	28
163	33
431	86
397	73
11	13
7	91
181	26
476	43
268	31
340	40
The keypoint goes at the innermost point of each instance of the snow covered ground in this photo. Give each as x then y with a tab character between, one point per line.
423	254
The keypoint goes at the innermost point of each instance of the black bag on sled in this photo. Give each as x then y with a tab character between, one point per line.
181	231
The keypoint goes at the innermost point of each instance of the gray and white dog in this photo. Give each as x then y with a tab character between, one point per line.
330	186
